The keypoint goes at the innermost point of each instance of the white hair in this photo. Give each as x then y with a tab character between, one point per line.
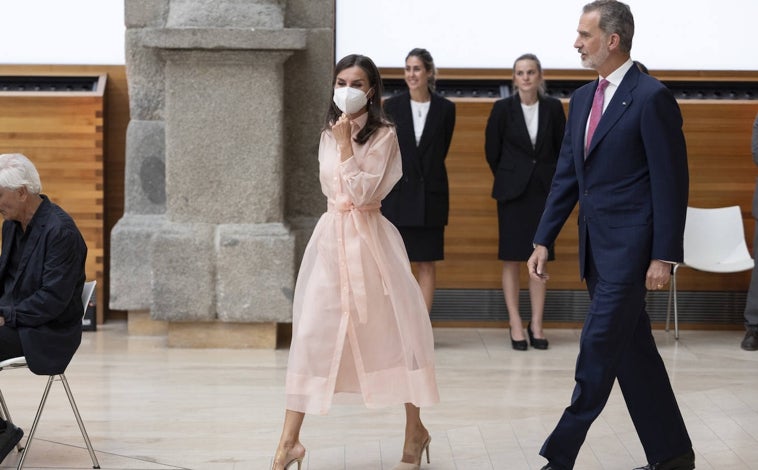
17	171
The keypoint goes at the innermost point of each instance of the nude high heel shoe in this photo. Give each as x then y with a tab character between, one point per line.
289	464
414	466
298	460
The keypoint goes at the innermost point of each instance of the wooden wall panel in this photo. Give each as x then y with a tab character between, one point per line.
471	236
114	123
718	138
63	135
722	173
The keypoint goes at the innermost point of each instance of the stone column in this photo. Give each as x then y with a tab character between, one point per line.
204	245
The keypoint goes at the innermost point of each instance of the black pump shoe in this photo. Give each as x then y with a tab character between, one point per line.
519	345
537	343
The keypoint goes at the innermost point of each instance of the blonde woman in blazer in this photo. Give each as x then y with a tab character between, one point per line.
522	141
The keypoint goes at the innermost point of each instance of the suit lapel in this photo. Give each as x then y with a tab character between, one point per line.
616	108
406	133
517	114
40	219
8	237
541	125
431	123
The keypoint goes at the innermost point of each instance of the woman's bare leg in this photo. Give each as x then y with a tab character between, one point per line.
511	293
537	292
289	448
427	278
416	435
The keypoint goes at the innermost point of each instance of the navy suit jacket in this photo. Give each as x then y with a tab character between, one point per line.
633	186
421	197
512	158
47	294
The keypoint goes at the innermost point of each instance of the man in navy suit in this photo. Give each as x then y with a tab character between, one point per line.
631	181
41	279
750	341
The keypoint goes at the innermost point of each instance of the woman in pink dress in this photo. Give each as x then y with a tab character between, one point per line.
360	326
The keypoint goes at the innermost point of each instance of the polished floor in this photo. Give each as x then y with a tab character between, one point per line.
153	408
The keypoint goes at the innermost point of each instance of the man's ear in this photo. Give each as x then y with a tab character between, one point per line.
613	41
22	192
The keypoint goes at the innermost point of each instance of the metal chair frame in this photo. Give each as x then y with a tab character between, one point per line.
20	362
735	259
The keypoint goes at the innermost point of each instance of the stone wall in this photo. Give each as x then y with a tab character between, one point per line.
226	103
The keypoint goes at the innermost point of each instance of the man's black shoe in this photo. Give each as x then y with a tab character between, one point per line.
9	437
551	466
750	342
682	462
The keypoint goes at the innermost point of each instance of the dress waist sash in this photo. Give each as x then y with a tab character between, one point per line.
349	252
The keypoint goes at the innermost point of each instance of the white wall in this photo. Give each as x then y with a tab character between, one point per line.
84	32
678	34
670	34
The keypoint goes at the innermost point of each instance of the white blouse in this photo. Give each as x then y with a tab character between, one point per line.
532	118
420	111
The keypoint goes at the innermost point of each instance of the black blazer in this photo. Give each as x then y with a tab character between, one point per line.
421	197
47	294
508	148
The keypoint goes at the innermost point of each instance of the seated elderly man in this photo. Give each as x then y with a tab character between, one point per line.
41	279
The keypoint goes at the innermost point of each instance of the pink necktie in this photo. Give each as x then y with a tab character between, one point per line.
596	112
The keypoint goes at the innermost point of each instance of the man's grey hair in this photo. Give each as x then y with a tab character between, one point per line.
17	171
615	18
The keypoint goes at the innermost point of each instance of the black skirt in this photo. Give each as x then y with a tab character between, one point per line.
424	243
517	222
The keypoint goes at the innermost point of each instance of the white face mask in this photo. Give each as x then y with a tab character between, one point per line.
349	100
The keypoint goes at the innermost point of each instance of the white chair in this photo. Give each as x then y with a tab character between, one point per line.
20	362
714	241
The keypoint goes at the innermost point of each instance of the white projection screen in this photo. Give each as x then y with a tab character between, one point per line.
84	32
482	34
671	35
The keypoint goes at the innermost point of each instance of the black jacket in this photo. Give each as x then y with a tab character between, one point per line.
47	305
421	197
508	148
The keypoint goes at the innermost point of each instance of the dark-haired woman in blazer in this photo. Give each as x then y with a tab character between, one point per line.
522	141
418	204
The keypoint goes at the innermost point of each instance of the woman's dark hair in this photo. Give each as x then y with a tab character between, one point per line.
426	58
641	66
376	116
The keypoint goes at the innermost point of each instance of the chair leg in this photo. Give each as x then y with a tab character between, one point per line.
33	430
95	463
672	296
35	422
6	415
668	305
676	307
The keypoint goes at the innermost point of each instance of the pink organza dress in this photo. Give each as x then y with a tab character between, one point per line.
360	325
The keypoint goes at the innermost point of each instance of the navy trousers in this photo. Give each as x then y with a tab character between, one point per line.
617	344
751	303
